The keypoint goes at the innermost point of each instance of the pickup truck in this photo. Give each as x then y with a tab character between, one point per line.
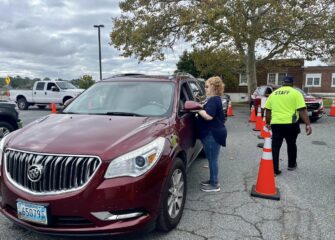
44	93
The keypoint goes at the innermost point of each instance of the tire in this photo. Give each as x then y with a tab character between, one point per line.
175	191
5	128
65	99
22	104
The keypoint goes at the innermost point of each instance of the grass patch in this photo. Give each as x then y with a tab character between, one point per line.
327	102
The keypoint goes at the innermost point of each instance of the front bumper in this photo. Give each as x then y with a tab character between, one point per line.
71	213
315	114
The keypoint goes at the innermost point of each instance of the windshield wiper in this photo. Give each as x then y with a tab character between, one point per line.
124	114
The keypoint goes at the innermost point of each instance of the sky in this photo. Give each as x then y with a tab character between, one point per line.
56	39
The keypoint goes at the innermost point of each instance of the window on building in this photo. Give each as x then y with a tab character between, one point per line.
276	78
333	80
243	79
272	78
313	80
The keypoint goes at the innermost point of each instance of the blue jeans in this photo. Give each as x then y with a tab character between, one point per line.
212	150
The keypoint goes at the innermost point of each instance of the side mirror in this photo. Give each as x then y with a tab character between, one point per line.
54	89
67	102
192	106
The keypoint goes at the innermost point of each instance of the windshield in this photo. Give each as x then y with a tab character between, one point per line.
65	85
125	99
301	91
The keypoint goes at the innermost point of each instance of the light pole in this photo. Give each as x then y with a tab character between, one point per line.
99	26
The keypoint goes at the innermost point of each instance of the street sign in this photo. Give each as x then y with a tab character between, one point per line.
7	80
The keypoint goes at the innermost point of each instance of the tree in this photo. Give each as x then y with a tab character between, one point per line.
256	29
210	62
86	81
186	64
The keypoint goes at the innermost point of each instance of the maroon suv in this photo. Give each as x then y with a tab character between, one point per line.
314	104
113	162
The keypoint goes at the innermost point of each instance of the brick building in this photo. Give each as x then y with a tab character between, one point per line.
318	80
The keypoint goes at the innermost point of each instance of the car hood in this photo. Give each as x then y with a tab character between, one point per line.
312	99
85	134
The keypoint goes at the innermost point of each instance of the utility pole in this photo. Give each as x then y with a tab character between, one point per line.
99	26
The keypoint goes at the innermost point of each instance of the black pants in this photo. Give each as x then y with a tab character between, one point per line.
289	132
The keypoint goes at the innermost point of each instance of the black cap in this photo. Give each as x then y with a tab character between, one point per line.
288	79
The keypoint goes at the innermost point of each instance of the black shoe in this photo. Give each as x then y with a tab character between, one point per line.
277	172
205	183
292	168
211	188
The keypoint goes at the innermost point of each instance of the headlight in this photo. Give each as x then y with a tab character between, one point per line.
2	143
137	162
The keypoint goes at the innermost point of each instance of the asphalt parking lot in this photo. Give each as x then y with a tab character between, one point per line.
306	209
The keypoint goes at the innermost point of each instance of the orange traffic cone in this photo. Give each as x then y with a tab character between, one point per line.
258	124
230	110
332	109
264	133
266	186
53	108
252	117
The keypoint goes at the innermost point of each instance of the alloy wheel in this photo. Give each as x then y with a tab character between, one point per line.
176	193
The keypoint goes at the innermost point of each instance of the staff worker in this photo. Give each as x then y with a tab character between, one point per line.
283	109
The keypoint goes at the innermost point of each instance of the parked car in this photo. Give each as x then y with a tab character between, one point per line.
9	118
115	160
44	93
225	98
314	104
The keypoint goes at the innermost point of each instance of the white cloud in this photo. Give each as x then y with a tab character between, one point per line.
56	38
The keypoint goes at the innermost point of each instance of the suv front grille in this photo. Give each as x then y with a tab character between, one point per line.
55	174
313	106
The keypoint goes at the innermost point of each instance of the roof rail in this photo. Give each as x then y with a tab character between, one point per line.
127	75
183	74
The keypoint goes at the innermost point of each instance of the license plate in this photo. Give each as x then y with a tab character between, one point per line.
32	212
310	113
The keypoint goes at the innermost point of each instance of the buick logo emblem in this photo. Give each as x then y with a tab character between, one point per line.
35	172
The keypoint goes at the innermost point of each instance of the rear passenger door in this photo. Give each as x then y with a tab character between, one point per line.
39	95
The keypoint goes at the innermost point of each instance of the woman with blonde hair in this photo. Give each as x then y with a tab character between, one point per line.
212	131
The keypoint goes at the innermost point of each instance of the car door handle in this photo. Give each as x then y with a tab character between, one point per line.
45	93
35	93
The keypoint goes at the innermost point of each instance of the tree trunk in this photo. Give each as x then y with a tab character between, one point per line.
251	69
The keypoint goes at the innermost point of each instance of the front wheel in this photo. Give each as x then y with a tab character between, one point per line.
5	128
22	104
174	196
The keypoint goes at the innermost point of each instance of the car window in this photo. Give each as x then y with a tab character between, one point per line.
196	90
65	85
40	86
262	90
138	98
184	96
301	91
49	85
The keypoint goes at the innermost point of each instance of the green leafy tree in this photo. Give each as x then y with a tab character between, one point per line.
210	62
85	81
256	29
186	64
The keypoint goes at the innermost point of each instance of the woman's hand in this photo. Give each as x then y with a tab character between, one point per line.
204	115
